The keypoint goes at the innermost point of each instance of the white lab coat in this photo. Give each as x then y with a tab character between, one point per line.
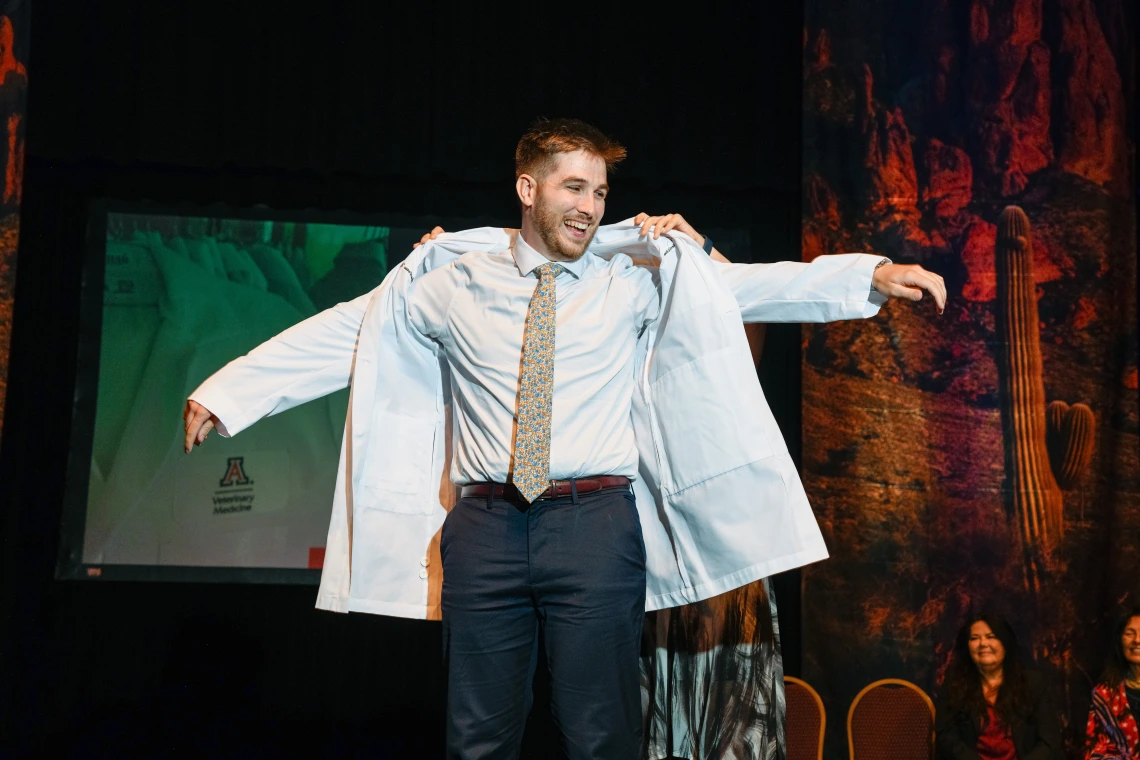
720	500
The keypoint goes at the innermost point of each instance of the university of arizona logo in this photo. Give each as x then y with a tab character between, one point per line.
235	489
235	473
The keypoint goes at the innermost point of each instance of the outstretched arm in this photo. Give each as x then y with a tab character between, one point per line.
311	359
844	286
315	358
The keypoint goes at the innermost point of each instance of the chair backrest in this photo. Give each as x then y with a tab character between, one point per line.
805	720
891	719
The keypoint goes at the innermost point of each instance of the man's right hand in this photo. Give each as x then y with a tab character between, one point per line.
199	422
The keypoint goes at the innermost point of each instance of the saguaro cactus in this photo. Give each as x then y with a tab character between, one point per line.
1043	451
1032	491
1069	437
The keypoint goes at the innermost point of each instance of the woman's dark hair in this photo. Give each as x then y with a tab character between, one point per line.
1116	668
964	680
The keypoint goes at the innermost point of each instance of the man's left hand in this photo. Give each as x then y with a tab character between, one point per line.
908	281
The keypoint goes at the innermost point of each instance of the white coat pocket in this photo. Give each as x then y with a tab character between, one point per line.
710	420
397	467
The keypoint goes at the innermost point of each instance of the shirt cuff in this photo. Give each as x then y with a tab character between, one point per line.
231	420
875	299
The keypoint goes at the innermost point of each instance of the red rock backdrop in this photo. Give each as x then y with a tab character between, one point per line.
988	457
13	90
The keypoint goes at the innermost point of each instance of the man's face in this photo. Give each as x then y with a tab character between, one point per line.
569	204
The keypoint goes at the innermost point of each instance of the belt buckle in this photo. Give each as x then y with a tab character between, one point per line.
553	489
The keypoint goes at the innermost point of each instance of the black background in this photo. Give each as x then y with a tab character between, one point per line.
410	109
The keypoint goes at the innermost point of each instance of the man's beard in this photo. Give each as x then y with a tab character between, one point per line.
549	222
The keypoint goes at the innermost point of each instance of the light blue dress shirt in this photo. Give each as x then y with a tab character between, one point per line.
476	307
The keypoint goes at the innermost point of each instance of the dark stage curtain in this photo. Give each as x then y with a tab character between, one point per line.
416	90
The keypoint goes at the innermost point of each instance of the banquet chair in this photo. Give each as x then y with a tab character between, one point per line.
805	721
891	719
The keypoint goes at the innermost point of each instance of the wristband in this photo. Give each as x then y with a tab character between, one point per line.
708	246
882	263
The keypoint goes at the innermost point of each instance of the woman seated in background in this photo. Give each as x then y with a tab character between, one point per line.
992	707
1113	733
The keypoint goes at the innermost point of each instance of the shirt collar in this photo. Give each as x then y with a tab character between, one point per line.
527	259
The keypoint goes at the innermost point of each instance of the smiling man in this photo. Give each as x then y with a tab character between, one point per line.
541	405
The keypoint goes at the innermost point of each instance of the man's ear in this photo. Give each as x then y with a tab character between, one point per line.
527	187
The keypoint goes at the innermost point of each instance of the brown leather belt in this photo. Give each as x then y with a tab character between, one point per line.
558	488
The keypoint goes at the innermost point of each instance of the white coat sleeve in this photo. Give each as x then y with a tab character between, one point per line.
828	289
311	359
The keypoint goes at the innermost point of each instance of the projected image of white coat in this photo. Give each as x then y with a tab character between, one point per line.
182	296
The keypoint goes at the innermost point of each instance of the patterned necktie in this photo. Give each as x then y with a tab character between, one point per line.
536	389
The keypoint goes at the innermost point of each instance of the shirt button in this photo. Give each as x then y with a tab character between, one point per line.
423	574
424	561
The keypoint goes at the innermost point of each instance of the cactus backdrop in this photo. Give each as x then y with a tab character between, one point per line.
988	457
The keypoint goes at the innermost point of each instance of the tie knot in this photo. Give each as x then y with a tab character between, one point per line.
549	270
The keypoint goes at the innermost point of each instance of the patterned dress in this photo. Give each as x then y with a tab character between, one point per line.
713	679
1112	729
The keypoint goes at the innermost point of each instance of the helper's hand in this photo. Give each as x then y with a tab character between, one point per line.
666	222
435	232
199	422
908	281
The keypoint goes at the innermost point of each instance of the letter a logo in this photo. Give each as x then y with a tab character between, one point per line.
235	473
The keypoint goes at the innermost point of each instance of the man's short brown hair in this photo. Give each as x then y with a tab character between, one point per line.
546	138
